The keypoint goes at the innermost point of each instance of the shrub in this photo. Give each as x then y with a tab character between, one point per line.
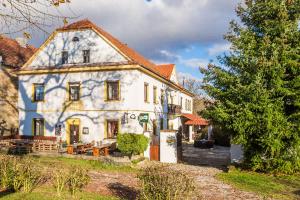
161	183
61	178
132	144
78	178
26	175
7	172
221	136
18	174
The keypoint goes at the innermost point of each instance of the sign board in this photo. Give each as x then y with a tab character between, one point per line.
144	118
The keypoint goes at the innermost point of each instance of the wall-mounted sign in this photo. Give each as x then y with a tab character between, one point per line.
85	130
58	129
132	116
124	119
144	118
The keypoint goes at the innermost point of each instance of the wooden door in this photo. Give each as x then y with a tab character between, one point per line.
155	149
74	134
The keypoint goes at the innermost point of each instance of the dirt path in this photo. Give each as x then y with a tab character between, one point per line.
125	185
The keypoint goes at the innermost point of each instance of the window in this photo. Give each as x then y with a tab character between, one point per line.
145	127
112	128
154	127
146	92
181	102
113	90
162	97
38	92
38	127
75	39
154	94
161	123
86	56
186	104
64	57
74	91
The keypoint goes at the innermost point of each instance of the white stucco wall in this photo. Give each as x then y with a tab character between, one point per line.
92	109
100	50
168	147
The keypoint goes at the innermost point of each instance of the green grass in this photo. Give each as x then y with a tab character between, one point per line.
278	187
48	193
86	164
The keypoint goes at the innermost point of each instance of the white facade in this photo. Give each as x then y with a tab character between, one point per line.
92	110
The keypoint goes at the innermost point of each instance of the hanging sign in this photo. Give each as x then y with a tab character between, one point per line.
144	118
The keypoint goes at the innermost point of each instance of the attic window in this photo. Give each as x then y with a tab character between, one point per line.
75	39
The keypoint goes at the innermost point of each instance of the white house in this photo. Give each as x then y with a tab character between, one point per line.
84	85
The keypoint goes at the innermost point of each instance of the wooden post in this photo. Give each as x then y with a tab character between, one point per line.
106	152
70	149
96	151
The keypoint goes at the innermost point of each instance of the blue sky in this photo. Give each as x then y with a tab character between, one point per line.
188	33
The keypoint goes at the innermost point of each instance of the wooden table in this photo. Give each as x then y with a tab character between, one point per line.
97	150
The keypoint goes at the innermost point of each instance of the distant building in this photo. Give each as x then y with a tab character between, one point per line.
84	85
13	55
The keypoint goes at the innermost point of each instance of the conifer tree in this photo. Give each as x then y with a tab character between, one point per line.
257	88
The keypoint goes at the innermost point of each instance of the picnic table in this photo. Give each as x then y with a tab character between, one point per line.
103	148
84	148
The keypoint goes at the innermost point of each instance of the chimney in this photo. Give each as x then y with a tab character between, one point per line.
22	41
183	82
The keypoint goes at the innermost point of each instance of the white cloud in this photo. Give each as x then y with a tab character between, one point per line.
217	49
152	26
182	75
194	62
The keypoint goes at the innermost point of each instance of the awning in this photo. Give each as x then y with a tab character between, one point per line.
195	120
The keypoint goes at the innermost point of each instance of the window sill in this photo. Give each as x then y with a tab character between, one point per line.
112	100
41	101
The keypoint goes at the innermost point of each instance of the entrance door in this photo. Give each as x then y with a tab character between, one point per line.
154	148
74	133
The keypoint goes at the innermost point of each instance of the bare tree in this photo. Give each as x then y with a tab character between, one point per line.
22	15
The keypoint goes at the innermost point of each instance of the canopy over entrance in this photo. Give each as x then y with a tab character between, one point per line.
195	120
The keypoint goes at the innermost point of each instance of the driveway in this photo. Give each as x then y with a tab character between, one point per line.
218	156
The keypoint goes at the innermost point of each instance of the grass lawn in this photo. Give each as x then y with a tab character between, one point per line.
48	193
86	164
278	187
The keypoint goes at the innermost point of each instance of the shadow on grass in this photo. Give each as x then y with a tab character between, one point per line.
4	193
297	193
123	191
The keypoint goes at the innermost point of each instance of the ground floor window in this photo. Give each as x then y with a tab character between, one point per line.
112	128
38	127
161	123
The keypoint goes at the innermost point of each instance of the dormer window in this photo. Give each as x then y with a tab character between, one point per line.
64	57
86	56
75	39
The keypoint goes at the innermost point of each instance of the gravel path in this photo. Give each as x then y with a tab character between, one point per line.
125	185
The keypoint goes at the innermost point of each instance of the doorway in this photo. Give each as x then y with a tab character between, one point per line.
73	133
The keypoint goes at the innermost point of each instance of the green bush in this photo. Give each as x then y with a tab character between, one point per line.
221	136
132	144
19	174
161	183
60	180
78	178
7	165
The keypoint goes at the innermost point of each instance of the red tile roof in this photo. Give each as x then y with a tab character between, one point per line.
195	120
13	54
165	70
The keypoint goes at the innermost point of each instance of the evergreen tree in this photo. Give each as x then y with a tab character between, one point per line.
257	88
